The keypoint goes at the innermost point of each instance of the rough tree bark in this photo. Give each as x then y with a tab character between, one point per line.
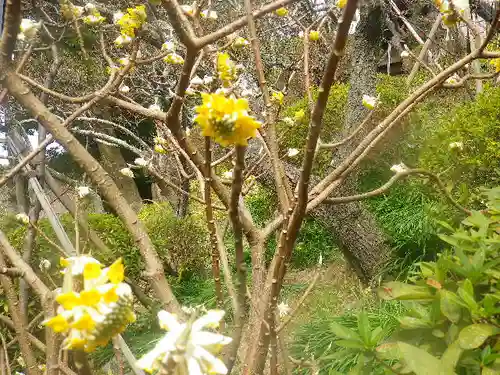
113	161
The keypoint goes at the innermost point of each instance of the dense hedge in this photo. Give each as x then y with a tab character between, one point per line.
179	241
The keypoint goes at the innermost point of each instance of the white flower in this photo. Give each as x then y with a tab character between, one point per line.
76	265
93	19
168	46
196	81
292	152
210	14
23	218
456	145
283	309
83	191
89	7
228	174
174	58
404	54
196	344
124	89
301	34
44	265
399	168
453	79
187	9
28	29
247	92
288	120
78	11
208	80
123	40
141	162
127	172
155	107
124	60
370	102
117	16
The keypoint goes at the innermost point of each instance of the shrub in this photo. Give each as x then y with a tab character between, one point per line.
452	322
313	240
294	135
182	242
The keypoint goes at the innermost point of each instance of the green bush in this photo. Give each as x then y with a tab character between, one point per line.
294	135
313	240
452	325
182	242
317	338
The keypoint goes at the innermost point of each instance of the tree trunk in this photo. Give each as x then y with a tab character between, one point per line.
113	161
362	241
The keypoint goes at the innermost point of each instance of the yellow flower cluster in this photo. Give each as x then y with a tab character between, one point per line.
496	64
226	120
132	21
69	10
282	12
451	12
277	97
99	310
226	68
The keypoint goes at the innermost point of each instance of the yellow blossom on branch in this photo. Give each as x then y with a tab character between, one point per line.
94	304
131	21
277	97
282	12
496	64
226	120
226	68
314	35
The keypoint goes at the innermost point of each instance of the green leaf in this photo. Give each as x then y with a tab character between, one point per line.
451	356
407	322
478	259
419	361
473	336
351	344
377	335
489	371
450	305
357	370
403	291
466	292
343	332
477	220
364	327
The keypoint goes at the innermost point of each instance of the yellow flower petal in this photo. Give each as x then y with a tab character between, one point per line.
85	323
58	323
68	300
91	271
110	296
116	272
90	297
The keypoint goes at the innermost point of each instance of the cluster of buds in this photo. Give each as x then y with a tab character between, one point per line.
129	24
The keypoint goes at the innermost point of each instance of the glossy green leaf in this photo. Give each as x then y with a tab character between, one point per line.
450	357
450	305
490	371
343	332
408	322
419	361
473	336
466	293
403	291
